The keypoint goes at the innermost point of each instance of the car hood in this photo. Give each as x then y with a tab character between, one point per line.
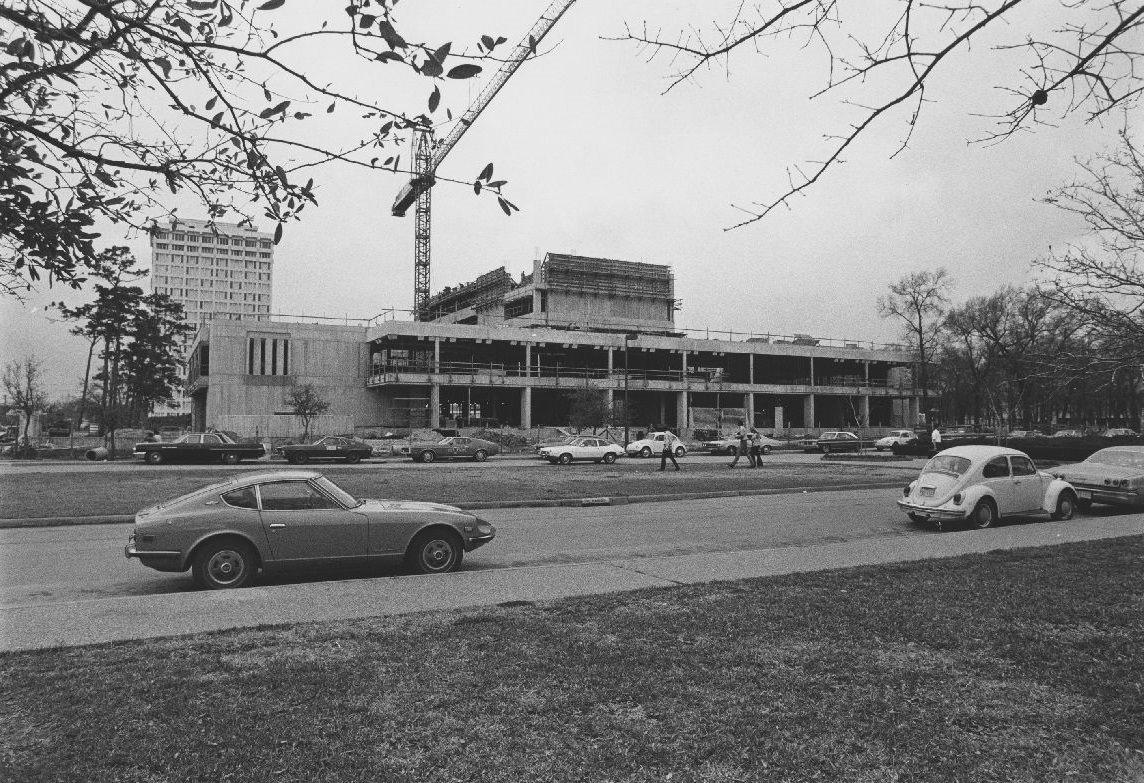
1083	471
406	505
943	484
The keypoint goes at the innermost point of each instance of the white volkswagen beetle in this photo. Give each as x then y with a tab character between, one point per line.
983	483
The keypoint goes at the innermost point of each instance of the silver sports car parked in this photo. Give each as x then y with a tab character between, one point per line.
226	532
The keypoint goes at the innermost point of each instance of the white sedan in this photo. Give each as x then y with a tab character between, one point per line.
653	444
895	438
983	483
585	448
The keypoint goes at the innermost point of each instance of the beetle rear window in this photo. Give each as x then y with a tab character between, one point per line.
944	463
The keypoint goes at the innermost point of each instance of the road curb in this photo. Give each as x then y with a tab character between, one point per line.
619	500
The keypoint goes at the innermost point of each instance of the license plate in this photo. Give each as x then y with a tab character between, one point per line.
1084	494
927	492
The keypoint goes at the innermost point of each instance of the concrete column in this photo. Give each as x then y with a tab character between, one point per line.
662	408
526	407
750	368
435	405
683	364
436	354
611	361
528	359
811	370
808	411
749	406
864	410
609	397
681	422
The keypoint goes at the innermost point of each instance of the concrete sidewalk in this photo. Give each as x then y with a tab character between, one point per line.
133	617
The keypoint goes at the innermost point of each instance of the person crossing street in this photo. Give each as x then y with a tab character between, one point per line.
669	441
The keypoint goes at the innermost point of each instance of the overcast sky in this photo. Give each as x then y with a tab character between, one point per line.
603	163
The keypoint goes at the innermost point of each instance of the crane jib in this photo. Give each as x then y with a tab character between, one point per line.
409	193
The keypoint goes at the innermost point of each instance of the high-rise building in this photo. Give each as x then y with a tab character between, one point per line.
215	270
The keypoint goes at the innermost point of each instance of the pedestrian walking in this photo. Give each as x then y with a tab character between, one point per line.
756	448
935	439
669	441
744	439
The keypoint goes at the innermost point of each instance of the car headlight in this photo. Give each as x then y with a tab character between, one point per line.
906	490
957	498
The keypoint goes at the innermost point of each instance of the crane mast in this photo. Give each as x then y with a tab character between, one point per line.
428	155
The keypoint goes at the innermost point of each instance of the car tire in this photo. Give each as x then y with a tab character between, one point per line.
766	450
915	517
427	456
878	448
609	458
229	458
1083	505
645	452
565	459
353	459
481	455
896	449
1066	506
679	452
435	552
300	458
154	458
984	514
223	564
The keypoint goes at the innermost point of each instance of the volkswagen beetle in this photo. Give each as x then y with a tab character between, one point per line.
983	483
226	532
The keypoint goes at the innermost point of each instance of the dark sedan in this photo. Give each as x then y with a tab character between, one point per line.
331	447
226	532
830	442
214	446
455	447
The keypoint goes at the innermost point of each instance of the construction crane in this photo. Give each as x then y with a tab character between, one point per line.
427	155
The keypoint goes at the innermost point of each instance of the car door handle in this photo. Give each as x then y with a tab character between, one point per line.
277	525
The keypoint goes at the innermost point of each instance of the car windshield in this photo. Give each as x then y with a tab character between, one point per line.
946	463
337	493
1123	459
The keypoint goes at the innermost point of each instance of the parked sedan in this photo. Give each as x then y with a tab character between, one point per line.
584	448
214	446
730	445
454	447
1114	476
829	442
896	438
652	444
331	447
225	533
982	484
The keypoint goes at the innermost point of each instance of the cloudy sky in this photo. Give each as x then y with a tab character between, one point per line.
604	161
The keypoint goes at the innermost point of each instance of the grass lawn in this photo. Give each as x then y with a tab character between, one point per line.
88	493
1013	666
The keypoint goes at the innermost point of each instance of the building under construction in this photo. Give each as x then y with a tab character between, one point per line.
566	292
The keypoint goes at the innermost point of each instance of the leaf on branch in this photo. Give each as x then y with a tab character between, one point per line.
507	206
279	109
434	99
201	5
215	120
487	42
366	20
500	183
431	68
486	172
165	64
385	29
301	115
330	109
443	52
477	187
211	103
464	71
385	57
270	5
278	233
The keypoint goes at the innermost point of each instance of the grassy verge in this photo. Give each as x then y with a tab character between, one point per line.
88	493
1013	666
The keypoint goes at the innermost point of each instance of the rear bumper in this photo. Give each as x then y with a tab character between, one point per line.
929	512
159	560
1113	497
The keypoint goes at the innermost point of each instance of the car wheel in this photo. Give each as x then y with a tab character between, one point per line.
1083	505
609	458
915	517
645	452
1066	505
481	455
984	514
154	458
435	552
428	456
896	448
353	459
566	459
223	564
878	448
300	458
229	458
680	451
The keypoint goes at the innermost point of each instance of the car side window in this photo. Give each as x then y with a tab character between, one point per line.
998	467
212	439
1023	466
292	496
243	497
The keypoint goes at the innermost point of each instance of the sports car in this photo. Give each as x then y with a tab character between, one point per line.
1114	476
585	448
454	447
227	532
331	447
983	483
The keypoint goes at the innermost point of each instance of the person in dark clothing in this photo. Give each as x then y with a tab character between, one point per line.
669	441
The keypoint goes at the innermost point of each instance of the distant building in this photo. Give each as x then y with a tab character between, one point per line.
214	270
505	351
